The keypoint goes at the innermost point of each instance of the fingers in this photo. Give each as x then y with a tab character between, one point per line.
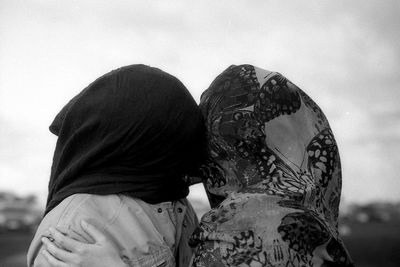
52	255
64	241
53	261
48	235
92	231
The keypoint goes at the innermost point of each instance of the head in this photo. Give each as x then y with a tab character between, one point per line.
134	130
266	136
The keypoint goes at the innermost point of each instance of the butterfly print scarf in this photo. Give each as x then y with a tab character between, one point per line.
273	175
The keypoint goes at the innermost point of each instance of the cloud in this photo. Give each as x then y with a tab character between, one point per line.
345	55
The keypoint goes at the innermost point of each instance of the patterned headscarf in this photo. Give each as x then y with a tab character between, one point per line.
273	176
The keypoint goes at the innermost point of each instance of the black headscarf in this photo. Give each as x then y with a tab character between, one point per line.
136	130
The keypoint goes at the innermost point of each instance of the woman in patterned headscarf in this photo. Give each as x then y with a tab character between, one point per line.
273	176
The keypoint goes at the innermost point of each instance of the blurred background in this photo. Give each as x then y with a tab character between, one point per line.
344	54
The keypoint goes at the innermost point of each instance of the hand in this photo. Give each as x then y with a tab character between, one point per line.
72	253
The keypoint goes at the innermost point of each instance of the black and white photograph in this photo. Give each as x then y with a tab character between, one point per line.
199	133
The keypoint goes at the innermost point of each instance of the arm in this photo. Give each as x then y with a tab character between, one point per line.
63	251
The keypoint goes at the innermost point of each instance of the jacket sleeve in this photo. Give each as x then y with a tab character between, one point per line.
65	215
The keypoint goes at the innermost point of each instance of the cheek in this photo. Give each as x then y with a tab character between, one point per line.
231	171
247	173
240	173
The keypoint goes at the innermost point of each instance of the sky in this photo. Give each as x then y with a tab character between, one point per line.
344	54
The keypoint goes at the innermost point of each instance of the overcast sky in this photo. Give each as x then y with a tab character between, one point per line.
344	54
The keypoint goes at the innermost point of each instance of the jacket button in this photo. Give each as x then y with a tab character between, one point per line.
180	210
159	210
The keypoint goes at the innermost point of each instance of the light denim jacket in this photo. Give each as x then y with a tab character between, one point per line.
146	235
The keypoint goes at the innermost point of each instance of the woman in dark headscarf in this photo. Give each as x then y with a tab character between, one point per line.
273	176
125	145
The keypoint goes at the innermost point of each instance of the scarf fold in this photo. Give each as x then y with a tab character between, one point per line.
135	130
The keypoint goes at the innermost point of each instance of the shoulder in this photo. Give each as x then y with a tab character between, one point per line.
99	210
